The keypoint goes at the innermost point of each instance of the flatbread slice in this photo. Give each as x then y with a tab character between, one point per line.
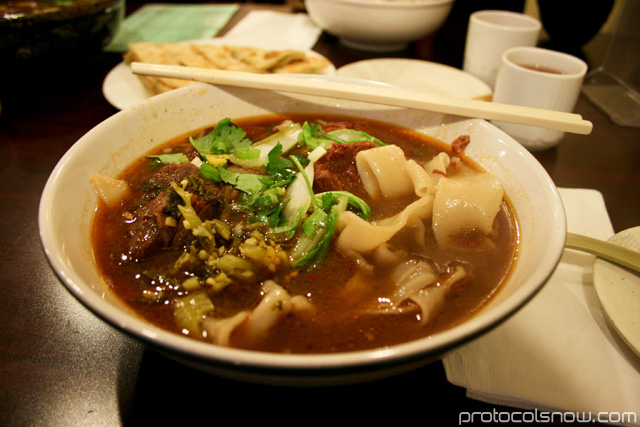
233	58
264	59
307	65
221	57
164	53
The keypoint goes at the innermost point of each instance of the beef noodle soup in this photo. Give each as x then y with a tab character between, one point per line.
304	234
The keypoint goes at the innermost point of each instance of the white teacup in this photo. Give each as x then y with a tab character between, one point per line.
539	78
490	33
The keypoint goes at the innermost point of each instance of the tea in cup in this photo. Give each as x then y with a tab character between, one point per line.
538	78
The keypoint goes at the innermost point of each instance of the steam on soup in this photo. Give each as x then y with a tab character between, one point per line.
304	234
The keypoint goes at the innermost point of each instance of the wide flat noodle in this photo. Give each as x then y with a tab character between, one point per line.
219	330
276	303
385	172
422	182
382	172
360	236
465	203
409	278
419	282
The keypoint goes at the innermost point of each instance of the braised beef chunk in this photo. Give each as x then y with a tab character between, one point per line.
355	125
459	144
336	170
149	231
162	179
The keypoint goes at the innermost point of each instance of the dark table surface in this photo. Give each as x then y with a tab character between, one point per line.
61	365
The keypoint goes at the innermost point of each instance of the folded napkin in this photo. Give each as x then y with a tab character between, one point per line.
558	353
171	23
275	30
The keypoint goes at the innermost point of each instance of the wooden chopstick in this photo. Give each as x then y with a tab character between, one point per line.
561	121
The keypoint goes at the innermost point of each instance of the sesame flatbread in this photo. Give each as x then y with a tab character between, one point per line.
213	56
266	60
222	57
306	65
165	53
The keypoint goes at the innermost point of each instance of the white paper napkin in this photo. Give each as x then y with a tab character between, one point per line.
275	30
558	353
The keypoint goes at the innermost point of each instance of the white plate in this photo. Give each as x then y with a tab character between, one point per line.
121	88
420	76
618	289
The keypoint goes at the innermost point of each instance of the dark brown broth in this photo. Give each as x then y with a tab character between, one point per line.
336	327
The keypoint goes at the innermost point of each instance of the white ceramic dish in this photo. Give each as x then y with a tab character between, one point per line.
379	25
419	76
68	203
122	89
618	289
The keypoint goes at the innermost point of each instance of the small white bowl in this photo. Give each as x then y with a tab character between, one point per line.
68	203
379	25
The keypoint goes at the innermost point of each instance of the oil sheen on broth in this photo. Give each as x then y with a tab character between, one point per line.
394	239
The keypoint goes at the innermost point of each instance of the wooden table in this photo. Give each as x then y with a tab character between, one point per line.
60	365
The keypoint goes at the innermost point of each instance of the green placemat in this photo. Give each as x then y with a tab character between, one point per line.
171	23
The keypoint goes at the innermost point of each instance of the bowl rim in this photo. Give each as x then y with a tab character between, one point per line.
292	363
391	4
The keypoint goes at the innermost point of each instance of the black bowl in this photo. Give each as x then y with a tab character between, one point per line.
569	30
29	29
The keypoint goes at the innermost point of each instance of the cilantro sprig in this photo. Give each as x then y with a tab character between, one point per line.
262	195
225	138
319	227
282	195
312	136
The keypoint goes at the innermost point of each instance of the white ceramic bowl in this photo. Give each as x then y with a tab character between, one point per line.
68	203
379	25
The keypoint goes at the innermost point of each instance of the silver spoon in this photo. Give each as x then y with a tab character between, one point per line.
609	251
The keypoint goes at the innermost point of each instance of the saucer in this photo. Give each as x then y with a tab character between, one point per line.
618	289
419	76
